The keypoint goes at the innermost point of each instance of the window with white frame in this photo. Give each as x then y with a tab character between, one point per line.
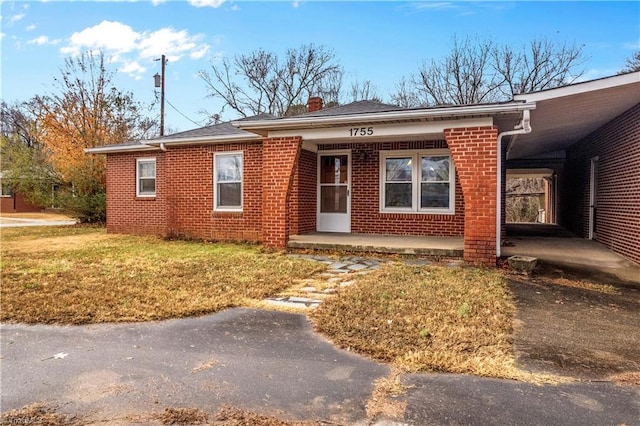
146	177
227	175
417	181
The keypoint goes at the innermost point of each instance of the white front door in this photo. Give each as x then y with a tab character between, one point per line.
334	192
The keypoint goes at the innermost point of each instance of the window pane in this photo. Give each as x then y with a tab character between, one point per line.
434	195
229	168
398	169
147	186
333	199
397	195
333	169
435	169
229	195
147	169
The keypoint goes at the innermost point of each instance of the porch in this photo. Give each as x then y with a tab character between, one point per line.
376	243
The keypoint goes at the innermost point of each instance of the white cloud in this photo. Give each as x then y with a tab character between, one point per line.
295	4
43	40
2	35
39	40
157	2
31	27
16	18
108	36
133	68
206	3
127	48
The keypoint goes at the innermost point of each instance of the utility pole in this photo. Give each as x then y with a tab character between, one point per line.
159	82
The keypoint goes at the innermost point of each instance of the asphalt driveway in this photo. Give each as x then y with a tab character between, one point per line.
268	362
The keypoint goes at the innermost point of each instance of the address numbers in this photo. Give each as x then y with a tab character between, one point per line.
361	131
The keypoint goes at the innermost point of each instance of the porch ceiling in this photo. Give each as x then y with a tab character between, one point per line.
564	116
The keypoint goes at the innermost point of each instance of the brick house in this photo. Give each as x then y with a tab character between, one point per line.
371	168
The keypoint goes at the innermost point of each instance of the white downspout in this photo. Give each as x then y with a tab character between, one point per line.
521	129
164	148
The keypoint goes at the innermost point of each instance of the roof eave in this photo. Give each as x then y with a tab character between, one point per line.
418	114
582	87
203	140
118	149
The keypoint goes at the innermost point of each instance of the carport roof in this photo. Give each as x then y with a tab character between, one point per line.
565	115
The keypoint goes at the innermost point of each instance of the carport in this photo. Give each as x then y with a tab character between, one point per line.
585	141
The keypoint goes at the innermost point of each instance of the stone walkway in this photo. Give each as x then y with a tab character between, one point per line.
341	272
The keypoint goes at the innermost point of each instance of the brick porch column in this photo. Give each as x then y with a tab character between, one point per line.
474	153
279	160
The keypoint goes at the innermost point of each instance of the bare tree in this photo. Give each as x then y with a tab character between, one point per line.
632	65
543	65
464	76
262	82
479	71
363	91
405	95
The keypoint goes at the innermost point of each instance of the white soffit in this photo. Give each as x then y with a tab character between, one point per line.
395	131
565	115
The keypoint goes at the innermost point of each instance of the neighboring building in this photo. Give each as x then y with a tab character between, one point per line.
371	168
14	202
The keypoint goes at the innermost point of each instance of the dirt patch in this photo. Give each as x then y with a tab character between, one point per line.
576	324
59	243
37	414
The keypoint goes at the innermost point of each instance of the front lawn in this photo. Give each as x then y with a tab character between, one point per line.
79	275
429	318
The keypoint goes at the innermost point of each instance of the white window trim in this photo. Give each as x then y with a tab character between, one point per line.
416	180
216	207
155	177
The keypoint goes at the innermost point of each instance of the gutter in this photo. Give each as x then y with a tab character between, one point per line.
520	129
122	148
306	122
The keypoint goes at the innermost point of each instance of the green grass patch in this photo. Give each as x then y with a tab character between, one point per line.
427	319
79	275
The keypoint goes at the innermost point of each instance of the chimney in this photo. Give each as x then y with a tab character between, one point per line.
314	104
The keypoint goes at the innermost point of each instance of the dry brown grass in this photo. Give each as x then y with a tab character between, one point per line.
36	414
232	416
430	318
183	416
630	378
77	275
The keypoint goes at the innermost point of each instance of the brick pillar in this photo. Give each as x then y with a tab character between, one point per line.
279	161
474	153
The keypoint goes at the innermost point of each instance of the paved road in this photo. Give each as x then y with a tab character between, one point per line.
268	362
13	222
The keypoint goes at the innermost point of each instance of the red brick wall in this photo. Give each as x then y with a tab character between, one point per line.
474	152
365	195
280	157
617	144
21	205
126	213
302	206
192	194
183	205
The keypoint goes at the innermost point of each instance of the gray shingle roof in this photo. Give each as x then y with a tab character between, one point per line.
221	129
359	107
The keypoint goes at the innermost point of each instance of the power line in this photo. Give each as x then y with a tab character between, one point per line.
181	113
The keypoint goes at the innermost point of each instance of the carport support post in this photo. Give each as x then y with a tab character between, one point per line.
474	151
279	160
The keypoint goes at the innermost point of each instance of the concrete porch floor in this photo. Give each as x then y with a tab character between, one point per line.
374	243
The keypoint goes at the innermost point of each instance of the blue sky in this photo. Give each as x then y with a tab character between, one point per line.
379	41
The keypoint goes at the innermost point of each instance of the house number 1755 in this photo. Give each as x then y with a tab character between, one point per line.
361	131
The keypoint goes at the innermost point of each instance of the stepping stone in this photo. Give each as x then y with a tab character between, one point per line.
338	265
357	267
347	283
308	289
330	291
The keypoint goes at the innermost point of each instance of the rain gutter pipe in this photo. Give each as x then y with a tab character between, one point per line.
521	129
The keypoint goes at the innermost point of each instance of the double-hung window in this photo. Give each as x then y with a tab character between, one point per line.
417	181
146	177
228	181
